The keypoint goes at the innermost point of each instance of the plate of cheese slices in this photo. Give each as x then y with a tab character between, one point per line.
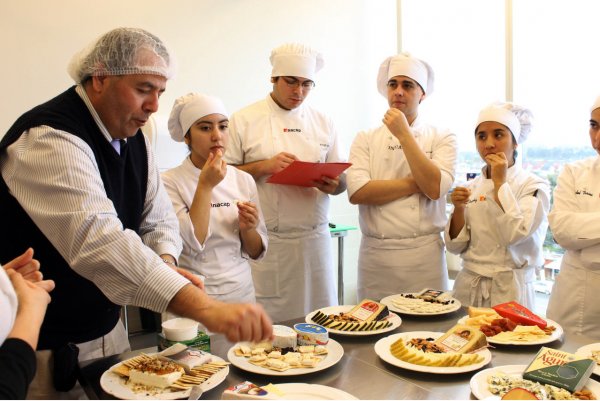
364	319
264	358
417	351
506	331
591	351
493	383
427	302
286	391
149	377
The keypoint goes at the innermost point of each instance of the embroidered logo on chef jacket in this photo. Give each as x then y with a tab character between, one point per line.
394	147
220	204
584	191
292	130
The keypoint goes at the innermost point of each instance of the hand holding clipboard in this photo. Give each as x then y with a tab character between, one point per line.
304	173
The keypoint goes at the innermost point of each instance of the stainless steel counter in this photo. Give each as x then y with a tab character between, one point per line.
361	372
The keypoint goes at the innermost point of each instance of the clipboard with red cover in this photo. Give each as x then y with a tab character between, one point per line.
304	173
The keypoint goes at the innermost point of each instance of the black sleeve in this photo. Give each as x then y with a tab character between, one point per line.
17	368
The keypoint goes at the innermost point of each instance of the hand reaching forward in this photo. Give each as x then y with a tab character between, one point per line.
214	170
278	162
238	322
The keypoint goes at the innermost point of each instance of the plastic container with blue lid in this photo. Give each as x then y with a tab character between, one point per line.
311	334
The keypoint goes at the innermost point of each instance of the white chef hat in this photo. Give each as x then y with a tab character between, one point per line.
409	66
596	104
516	118
188	109
296	60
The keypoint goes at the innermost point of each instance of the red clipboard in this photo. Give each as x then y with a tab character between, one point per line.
302	174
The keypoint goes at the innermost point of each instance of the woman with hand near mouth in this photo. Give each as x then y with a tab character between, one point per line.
217	206
499	220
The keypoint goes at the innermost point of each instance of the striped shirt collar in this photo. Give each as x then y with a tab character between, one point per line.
81	92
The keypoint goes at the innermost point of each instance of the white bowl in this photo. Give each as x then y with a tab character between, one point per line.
180	329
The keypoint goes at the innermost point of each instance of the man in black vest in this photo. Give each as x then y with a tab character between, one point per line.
79	185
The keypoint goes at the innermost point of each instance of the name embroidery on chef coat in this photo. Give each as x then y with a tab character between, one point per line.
292	130
220	204
584	192
394	147
481	198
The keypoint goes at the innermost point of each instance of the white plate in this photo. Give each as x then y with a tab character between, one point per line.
586	351
335	353
556	334
479	383
388	302
304	391
393	318
114	384
382	348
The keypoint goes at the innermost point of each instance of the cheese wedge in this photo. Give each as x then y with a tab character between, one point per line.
476	311
462	339
368	311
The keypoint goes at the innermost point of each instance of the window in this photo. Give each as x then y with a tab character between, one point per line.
551	68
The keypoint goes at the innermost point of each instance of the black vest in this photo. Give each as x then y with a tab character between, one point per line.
79	311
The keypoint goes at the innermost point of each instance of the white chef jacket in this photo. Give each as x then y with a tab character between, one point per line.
220	260
501	248
575	224
297	275
403	230
8	305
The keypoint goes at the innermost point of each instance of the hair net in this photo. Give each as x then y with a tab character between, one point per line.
516	118
296	60
188	109
409	66
123	51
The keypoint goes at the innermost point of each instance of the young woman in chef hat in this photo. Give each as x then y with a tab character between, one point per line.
217	205
575	224
499	220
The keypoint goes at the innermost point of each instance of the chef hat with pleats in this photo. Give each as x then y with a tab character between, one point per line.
516	118
596	104
296	60
409	66
188	109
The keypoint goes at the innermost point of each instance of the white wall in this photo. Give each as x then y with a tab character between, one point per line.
222	47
